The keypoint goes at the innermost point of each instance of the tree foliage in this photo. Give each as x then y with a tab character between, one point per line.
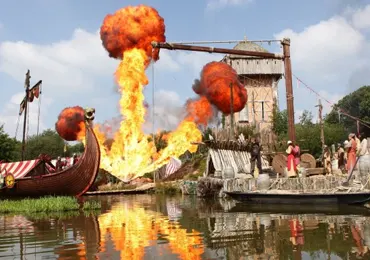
307	132
356	104
279	121
48	142
8	147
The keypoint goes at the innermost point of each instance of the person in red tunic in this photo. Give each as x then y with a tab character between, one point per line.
351	153
291	166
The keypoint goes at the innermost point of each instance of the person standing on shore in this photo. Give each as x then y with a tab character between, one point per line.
327	160
351	154
256	156
297	155
291	166
340	152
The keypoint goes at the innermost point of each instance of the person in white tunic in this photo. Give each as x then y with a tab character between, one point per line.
364	160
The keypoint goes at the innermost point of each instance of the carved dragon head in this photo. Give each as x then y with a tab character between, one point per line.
89	114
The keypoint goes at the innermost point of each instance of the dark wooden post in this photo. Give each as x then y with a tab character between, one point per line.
231	112
27	88
322	137
289	88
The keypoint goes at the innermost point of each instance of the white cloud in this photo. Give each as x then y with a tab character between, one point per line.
9	115
361	18
74	66
213	4
332	98
332	55
66	65
325	47
168	113
196	62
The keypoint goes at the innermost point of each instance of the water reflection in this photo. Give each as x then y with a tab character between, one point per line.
133	230
150	227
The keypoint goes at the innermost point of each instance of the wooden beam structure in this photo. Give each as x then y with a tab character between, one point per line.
285	56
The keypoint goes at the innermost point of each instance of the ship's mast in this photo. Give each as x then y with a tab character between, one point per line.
27	88
27	99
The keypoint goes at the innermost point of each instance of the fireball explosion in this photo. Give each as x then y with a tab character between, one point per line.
127	36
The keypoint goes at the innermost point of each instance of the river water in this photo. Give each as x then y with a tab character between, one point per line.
156	227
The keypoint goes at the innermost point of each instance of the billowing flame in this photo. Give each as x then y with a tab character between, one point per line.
127	35
200	110
70	125
132	229
215	81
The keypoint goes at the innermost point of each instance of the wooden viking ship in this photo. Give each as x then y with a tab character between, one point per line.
35	178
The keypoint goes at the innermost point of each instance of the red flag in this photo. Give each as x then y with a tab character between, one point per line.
34	91
22	106
30	95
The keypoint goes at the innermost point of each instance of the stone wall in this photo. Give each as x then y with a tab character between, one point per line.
317	184
209	186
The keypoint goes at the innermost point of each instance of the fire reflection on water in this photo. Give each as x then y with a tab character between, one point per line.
155	227
132	228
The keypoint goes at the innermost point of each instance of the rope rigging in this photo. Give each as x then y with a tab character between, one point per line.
339	110
16	129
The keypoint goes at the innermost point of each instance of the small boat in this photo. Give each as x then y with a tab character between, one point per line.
35	178
256	197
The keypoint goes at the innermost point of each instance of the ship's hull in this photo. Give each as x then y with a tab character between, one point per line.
73	181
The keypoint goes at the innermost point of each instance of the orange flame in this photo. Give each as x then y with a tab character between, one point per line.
200	110
127	35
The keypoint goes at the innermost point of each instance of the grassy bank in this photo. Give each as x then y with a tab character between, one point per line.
167	188
46	205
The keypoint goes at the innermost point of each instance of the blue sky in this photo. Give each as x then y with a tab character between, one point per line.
58	41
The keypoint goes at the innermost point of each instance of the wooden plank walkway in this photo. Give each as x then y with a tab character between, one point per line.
142	189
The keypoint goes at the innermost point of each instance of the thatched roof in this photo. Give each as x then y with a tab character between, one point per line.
246	46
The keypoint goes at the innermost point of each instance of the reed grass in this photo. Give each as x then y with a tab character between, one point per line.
91	205
44	205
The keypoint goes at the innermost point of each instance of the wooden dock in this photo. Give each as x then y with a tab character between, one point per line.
142	189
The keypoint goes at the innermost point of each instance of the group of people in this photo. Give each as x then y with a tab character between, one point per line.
62	164
350	151
347	154
293	151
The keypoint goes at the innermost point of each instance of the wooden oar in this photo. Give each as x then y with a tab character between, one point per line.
346	183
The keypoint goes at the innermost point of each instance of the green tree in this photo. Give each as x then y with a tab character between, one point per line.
48	142
306	118
9	147
279	121
76	148
356	104
307	132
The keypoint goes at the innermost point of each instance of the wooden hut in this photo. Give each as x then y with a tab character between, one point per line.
260	76
222	154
